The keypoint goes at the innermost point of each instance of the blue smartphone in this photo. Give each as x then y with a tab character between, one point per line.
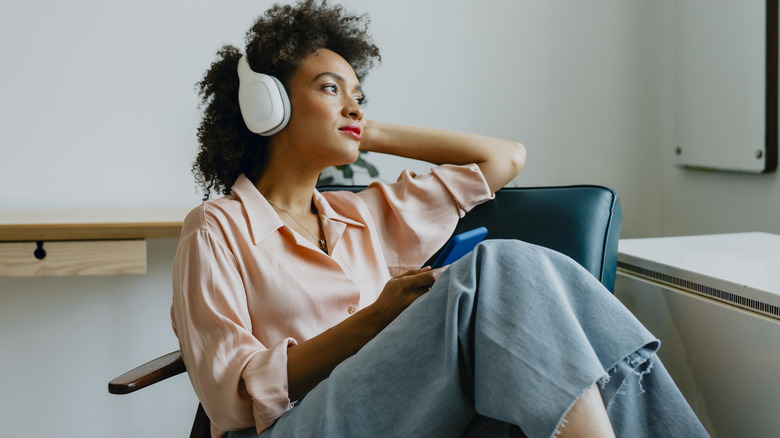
459	246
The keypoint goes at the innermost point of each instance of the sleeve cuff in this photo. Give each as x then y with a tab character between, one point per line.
465	183
265	377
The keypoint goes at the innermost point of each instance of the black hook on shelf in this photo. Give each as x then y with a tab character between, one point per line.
39	252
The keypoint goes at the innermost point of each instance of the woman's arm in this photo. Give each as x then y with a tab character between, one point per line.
499	160
311	361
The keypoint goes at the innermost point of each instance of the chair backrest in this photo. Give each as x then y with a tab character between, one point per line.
580	221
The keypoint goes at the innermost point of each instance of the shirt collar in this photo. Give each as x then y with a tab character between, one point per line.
263	219
323	206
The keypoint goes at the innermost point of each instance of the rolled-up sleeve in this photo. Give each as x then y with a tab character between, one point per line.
416	214
240	382
466	184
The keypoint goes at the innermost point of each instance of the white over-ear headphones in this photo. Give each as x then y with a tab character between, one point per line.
263	100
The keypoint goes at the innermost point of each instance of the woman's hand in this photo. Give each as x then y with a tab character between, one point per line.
401	291
309	362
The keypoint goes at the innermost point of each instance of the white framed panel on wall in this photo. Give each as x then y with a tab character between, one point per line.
726	85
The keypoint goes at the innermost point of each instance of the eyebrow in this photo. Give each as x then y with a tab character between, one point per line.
338	77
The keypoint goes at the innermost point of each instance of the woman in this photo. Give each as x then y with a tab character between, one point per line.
306	314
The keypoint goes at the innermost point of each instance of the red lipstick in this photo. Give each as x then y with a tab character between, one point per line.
353	130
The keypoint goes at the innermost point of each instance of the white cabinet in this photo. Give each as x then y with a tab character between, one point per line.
714	302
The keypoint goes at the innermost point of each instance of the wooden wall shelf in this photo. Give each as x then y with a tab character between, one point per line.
97	224
82	242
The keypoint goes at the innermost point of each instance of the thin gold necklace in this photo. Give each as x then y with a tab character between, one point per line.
322	242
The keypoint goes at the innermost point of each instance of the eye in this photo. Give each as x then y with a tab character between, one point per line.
331	87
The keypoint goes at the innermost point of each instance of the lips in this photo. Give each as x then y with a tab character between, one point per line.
353	130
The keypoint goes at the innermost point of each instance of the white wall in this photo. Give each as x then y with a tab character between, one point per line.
98	110
702	202
695	202
63	338
584	85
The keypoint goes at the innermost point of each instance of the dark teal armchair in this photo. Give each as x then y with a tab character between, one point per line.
582	222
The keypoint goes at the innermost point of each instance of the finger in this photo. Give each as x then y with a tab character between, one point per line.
432	276
414	271
422	279
438	271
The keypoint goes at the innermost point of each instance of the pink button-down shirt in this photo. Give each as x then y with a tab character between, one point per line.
246	287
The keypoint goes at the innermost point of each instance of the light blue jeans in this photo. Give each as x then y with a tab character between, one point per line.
511	334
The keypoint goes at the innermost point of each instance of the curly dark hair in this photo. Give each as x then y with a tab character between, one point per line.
275	45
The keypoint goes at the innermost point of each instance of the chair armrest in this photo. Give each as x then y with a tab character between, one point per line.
147	374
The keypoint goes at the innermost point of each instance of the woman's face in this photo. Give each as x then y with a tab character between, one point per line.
326	120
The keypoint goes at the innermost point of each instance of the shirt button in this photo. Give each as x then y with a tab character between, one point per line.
352	310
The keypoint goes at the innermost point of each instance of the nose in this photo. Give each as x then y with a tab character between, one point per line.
353	110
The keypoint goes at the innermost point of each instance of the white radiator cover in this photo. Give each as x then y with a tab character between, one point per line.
714	302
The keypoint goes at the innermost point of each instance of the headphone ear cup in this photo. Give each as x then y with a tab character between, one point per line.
263	100
285	106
